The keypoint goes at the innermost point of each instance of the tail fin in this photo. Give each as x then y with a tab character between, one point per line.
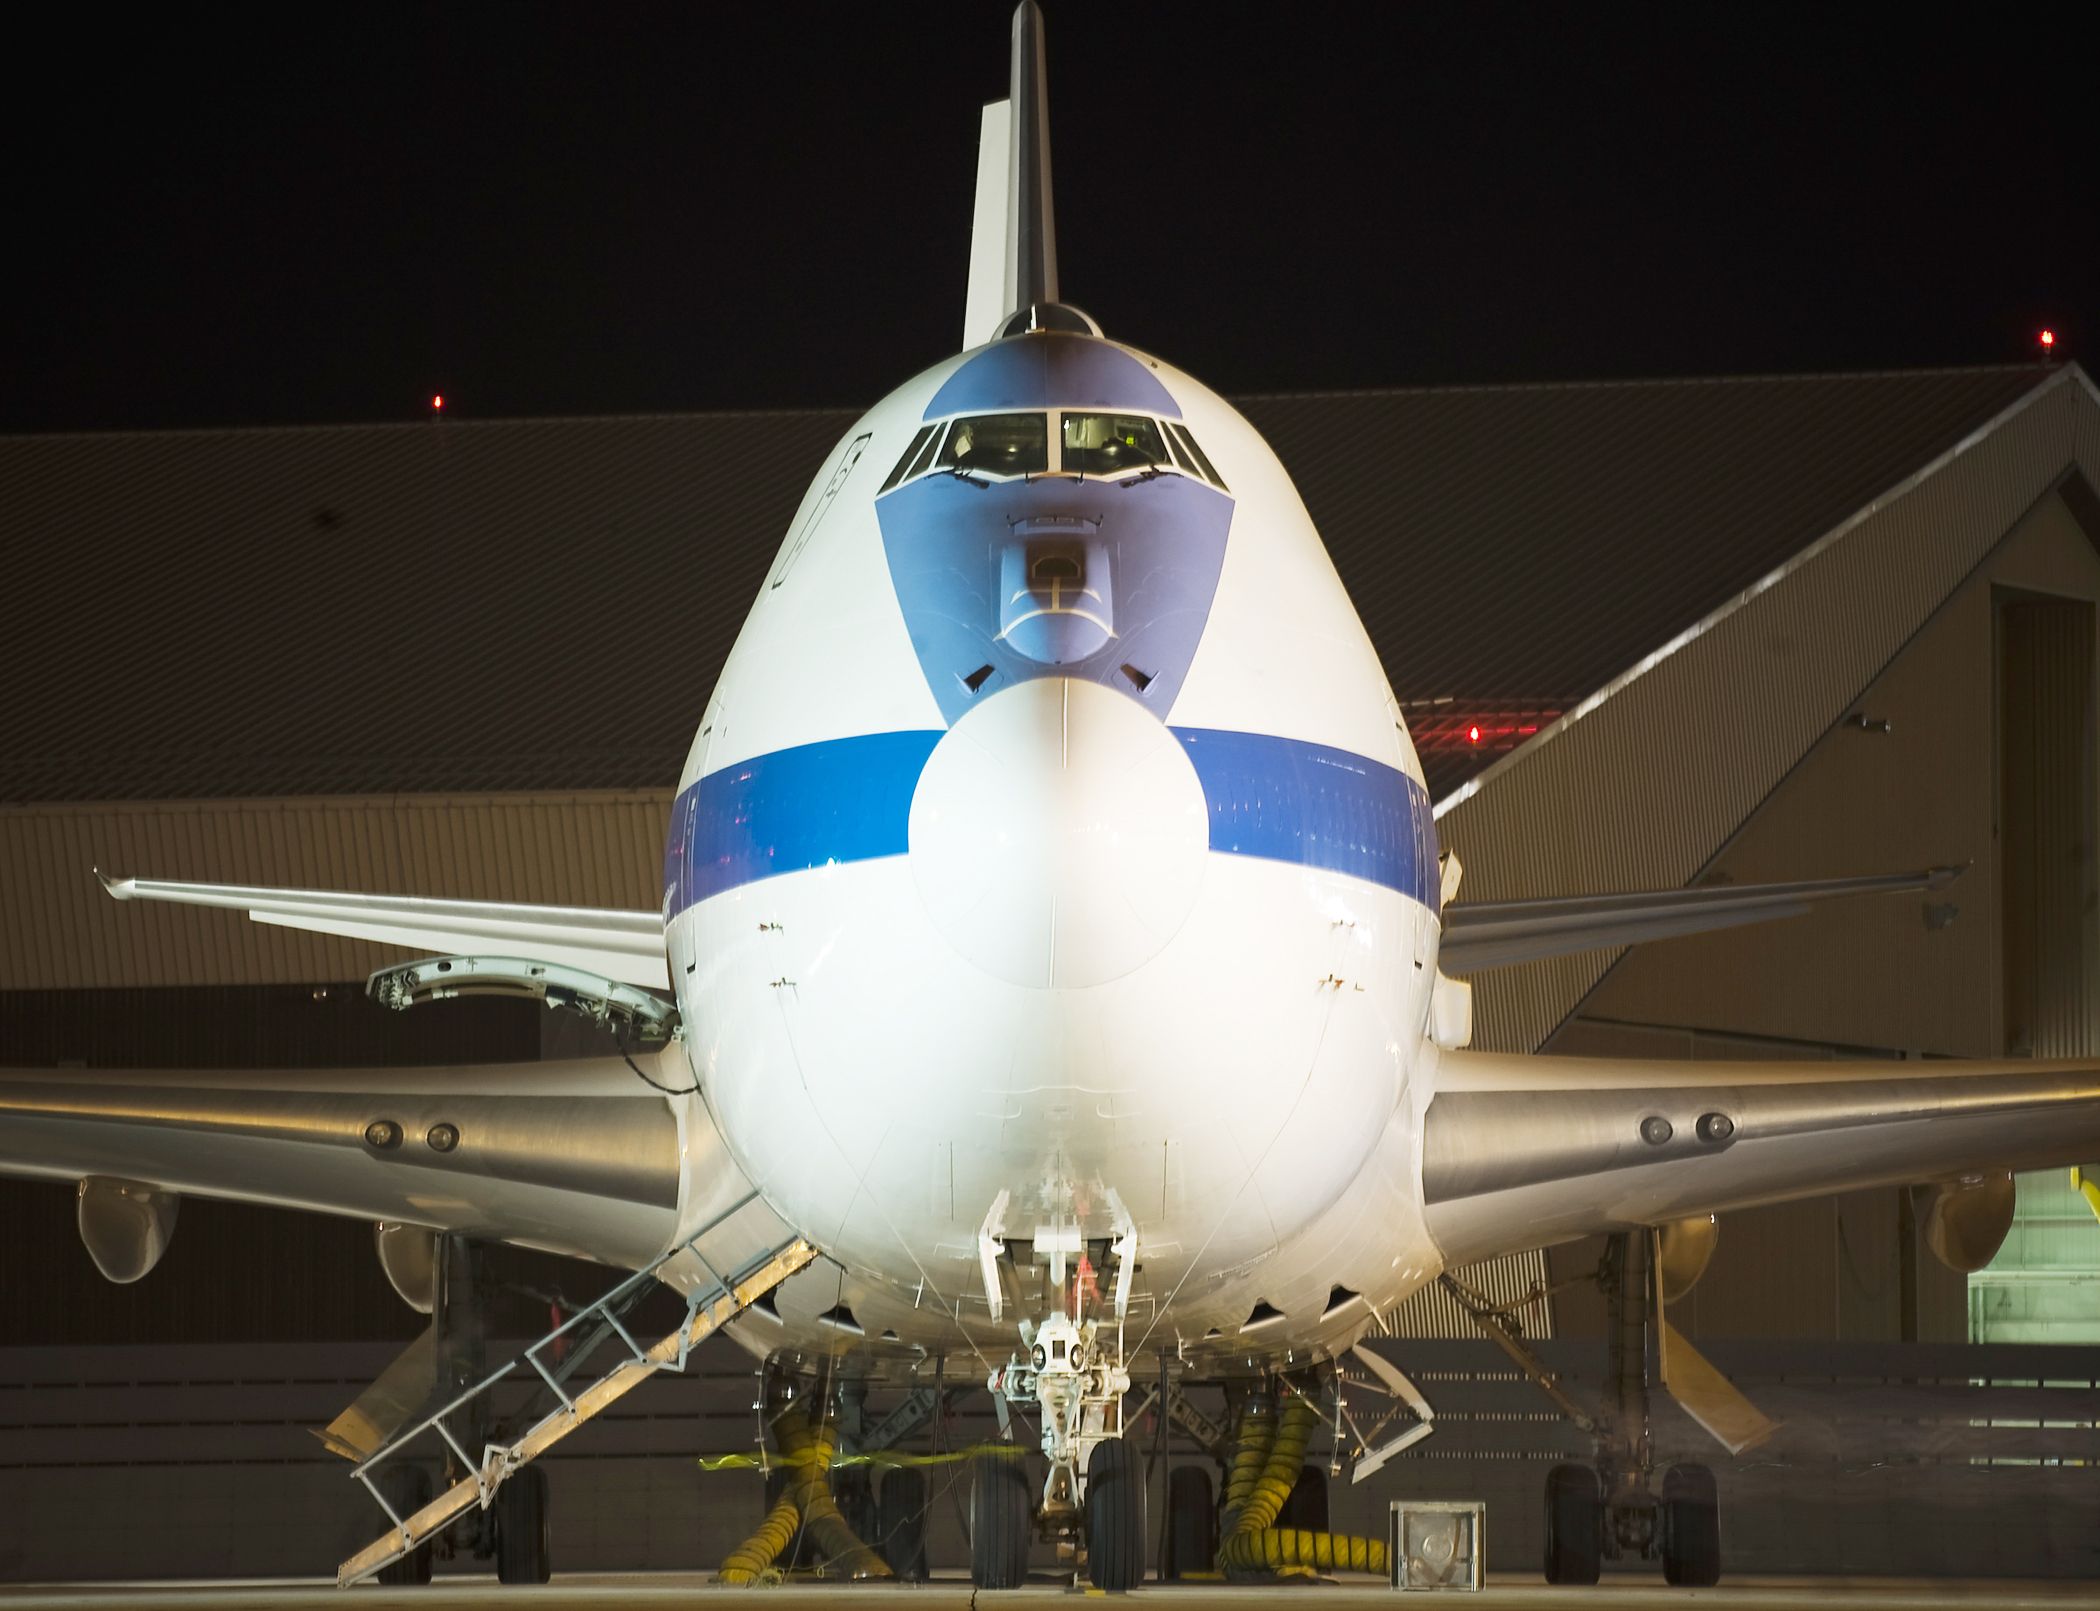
1030	230
1013	241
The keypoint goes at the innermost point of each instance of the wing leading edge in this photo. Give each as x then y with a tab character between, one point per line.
1497	934
627	947
1527	1151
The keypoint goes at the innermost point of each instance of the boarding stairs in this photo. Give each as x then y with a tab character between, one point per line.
709	1307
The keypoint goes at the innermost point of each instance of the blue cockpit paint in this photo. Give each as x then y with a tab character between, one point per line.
849	800
1045	369
1286	800
974	563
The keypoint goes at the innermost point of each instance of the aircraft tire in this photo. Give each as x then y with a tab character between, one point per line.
1115	1516
1000	1514
1192	1524
900	1523
1305	1510
1574	1525
522	1553
407	1489
1691	1521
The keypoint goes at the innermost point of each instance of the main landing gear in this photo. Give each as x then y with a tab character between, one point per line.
1614	1510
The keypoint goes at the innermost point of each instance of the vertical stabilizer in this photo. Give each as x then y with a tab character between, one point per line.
1013	238
990	297
1031	233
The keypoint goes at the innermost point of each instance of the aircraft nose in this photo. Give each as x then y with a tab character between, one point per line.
1059	834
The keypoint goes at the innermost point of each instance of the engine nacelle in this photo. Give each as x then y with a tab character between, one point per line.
408	1254
126	1225
1683	1249
1966	1219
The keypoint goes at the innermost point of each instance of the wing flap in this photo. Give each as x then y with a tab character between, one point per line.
624	946
1526	1151
1497	934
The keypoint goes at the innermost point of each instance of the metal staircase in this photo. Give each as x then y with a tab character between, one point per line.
708	1308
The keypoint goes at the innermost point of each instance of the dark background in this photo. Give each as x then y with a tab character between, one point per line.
262	218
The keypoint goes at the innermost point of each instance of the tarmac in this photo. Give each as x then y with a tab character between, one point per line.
577	1592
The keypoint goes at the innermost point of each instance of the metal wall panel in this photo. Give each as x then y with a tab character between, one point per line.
58	929
1431	1312
1586	807
2045	842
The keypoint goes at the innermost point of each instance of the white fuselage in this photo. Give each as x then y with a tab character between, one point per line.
1052	837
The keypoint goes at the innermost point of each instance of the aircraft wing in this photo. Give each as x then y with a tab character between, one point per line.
574	1157
1495	934
624	946
1527	1151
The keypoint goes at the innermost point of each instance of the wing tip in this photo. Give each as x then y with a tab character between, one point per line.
117	889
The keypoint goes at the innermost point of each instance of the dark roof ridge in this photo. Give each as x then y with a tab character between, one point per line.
2041	371
456	423
450	422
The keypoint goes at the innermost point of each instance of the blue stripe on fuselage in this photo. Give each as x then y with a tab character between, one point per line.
1285	800
849	799
846	799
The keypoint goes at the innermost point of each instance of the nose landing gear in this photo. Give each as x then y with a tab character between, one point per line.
1094	1496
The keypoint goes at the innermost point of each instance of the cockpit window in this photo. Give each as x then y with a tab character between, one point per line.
998	444
1108	444
904	464
1210	472
1181	456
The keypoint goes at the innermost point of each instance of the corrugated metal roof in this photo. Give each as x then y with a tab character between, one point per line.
58	930
517	605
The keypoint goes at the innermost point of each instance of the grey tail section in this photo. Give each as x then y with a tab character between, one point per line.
1033	246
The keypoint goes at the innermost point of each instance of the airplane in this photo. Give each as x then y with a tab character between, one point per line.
1057	980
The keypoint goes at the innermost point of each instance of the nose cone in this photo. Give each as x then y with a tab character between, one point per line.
1059	834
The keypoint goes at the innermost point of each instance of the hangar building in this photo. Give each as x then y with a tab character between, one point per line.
1647	635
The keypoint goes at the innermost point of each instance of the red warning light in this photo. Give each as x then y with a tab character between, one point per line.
437	402
2048	340
1473	734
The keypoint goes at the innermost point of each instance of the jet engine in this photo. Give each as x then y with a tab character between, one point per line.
126	1225
1966	1218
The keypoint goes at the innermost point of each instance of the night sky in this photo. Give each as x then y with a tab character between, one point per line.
275	217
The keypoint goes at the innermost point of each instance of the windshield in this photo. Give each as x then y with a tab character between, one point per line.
1105	444
998	444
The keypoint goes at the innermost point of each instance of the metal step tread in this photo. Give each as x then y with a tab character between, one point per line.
500	1460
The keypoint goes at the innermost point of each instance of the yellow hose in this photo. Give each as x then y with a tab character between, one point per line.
806	1450
748	1562
1253	1545
1279	1548
844	1553
1285	1458
1254	1430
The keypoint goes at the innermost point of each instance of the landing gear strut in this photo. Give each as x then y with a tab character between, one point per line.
1612	1510
1615	1512
1094	1496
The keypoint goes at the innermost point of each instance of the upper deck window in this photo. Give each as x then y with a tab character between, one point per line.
997	444
1108	444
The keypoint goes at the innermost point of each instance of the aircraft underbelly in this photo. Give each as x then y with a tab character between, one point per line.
883	1089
